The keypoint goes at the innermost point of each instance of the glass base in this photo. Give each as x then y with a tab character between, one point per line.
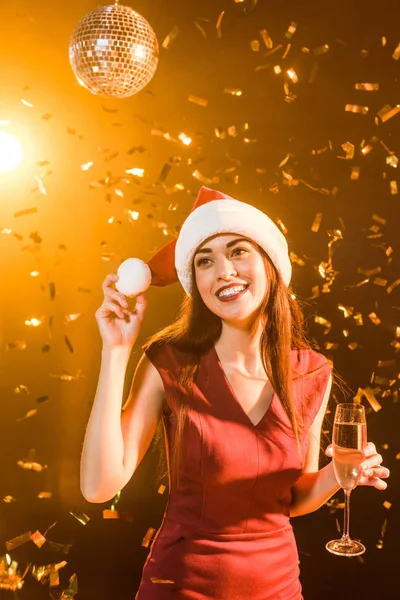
345	548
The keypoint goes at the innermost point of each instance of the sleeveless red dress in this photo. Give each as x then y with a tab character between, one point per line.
226	533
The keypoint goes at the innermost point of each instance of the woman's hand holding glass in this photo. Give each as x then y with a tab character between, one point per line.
118	324
371	469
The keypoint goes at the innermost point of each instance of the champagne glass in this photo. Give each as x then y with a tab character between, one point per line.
349	438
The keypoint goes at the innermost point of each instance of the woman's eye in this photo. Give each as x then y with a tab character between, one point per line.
239	251
202	261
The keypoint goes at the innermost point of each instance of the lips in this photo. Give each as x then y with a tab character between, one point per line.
237	291
231	285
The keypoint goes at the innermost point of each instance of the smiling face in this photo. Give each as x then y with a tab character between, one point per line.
231	278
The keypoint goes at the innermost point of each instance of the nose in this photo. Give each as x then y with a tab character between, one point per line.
226	270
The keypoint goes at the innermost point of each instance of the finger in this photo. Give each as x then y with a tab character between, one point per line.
108	308
369	449
370	463
378	483
109	280
329	451
382	472
141	304
117	297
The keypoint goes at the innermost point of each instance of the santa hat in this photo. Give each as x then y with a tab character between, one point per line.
215	213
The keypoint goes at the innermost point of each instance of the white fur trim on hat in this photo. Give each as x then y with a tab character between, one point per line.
229	216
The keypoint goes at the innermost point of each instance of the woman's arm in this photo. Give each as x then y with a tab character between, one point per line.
314	487
115	444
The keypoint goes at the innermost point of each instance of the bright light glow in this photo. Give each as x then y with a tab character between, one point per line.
139	51
10	152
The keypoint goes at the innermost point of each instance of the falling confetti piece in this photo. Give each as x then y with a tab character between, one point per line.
38	539
34	322
218	24
79	516
186	140
161	581
41	187
233	91
368	87
196	100
355	108
374	318
392	286
20	540
161	489
86	166
317	222
349	149
171	37
291	30
255	45
69	345
18	345
147	538
26	103
396	53
387	112
355	173
27	211
266	38
29	414
31	466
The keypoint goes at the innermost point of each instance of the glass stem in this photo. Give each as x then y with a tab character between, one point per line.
346	525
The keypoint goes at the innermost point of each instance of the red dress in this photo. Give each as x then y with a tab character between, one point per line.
226	533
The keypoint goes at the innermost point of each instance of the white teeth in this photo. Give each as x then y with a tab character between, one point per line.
231	291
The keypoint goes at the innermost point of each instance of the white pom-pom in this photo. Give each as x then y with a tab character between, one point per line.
134	277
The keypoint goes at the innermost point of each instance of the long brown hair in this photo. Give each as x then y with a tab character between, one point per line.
197	328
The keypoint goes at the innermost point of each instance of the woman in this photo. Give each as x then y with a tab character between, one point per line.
241	397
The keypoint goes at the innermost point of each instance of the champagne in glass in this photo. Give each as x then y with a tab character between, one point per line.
349	439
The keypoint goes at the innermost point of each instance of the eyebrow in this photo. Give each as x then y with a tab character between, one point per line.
228	245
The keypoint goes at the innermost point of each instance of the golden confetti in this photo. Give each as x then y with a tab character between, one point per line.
392	286
17	345
147	538
110	514
199	27
79	516
45	495
349	149
86	166
133	214
277	69
255	45
41	187
266	38
355	173
186	140
38	539
293	76
396	53
26	103
368	87
321	50
218	24
317	222
294	258
171	37
34	322
161	489
393	188
392	160
387	112
379	281
233	91
324	322
29	414
291	30
374	318
21	389
26	211
196	100
161	581
9	499
283	227
72	317
355	108
31	466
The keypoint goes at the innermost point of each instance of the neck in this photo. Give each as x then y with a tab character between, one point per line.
240	348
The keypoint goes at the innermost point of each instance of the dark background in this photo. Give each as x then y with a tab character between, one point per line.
72	244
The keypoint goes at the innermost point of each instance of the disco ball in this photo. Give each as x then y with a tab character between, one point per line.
113	51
